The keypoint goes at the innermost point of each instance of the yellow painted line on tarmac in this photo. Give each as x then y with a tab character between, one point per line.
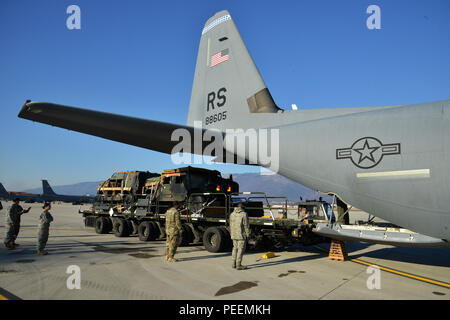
6	295
398	272
405	274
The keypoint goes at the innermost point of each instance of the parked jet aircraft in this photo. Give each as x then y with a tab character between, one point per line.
50	195
23	196
390	161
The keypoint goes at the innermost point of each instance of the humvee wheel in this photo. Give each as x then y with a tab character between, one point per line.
214	240
121	228
101	225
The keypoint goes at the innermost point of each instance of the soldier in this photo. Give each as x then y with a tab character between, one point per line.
240	232
12	224
303	213
342	210
173	231
44	225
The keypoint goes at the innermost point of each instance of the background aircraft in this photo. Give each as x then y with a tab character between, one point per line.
49	195
23	196
390	161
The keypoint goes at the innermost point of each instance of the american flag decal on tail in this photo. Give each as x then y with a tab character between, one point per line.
219	57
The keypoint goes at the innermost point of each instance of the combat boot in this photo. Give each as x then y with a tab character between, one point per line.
42	252
172	260
241	267
234	265
9	246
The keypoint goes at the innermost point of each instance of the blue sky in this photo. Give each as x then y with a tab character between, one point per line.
138	58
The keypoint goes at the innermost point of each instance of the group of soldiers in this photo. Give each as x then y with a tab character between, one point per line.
239	231
12	225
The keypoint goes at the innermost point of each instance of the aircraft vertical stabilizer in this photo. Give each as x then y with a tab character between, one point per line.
46	188
3	192
227	84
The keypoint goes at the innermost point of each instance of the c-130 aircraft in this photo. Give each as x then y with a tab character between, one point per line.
390	161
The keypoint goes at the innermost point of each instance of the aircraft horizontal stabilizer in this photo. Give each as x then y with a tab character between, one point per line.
149	134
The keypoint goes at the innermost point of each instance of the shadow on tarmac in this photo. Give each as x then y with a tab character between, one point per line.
438	257
425	256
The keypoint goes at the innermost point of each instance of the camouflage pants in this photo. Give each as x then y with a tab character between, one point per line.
16	231
10	233
42	237
172	242
342	211
343	218
238	251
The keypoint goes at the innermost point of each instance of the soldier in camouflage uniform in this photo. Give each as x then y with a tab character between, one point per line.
303	213
12	224
239	230
44	225
342	210
173	231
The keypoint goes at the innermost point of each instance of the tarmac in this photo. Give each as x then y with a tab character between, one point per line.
126	268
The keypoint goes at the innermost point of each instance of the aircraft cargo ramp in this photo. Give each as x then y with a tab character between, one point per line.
378	234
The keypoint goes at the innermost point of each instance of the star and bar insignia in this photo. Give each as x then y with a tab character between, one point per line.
367	152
